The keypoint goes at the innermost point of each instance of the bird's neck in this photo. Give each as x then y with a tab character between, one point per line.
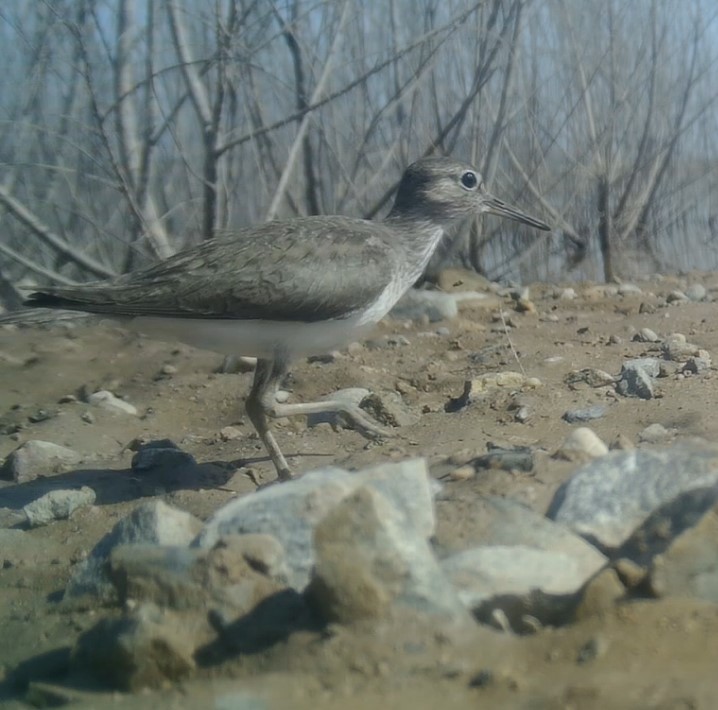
419	237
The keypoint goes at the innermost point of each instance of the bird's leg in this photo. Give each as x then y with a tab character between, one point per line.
259	404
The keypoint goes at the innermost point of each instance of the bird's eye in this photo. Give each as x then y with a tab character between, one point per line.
469	180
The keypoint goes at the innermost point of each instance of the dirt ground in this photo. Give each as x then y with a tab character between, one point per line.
653	654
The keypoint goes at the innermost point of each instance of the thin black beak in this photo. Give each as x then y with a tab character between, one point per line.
494	205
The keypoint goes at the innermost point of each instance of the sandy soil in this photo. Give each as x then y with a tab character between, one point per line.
654	654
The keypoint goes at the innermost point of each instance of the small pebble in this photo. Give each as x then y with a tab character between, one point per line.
582	444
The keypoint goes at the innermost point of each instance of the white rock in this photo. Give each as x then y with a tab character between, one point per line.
106	400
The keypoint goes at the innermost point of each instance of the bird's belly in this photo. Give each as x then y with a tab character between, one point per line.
255	338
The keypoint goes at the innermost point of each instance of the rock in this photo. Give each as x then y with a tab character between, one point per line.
676	348
668	521
37	458
629	289
566	294
606	500
650	365
696	365
145	649
676	296
575	416
654	434
57	505
388	408
590	376
696	292
519	581
421	305
582	444
290	512
104	399
160	454
230	433
352	396
689	566
368	563
504	522
224	578
646	335
152	522
621	443
600	594
635	381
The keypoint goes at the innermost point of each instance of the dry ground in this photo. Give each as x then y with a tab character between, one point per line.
653	654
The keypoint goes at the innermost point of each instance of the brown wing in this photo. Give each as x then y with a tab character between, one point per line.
305	269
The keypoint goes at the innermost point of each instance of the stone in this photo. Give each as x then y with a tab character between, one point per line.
654	434
368	563
629	289
37	458
161	454
582	444
421	305
505	522
696	292
635	381
646	335
519	581
677	349
389	409
153	522
291	511
587	414
104	399
676	296
696	365
57	505
600	594
689	566
145	649
607	499
224	578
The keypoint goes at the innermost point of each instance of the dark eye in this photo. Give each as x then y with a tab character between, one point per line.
469	180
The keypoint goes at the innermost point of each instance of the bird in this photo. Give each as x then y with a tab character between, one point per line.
284	290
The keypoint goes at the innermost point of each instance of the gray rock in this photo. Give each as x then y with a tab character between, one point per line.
635	381
145	649
650	365
291	511
606	500
696	292
689	566
654	434
677	349
104	399
504	522
57	505
420	305
369	563
37	458
676	296
663	526
226	578
388	408
152	522
646	335
629	289
518	580
696	365
576	416
161	454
